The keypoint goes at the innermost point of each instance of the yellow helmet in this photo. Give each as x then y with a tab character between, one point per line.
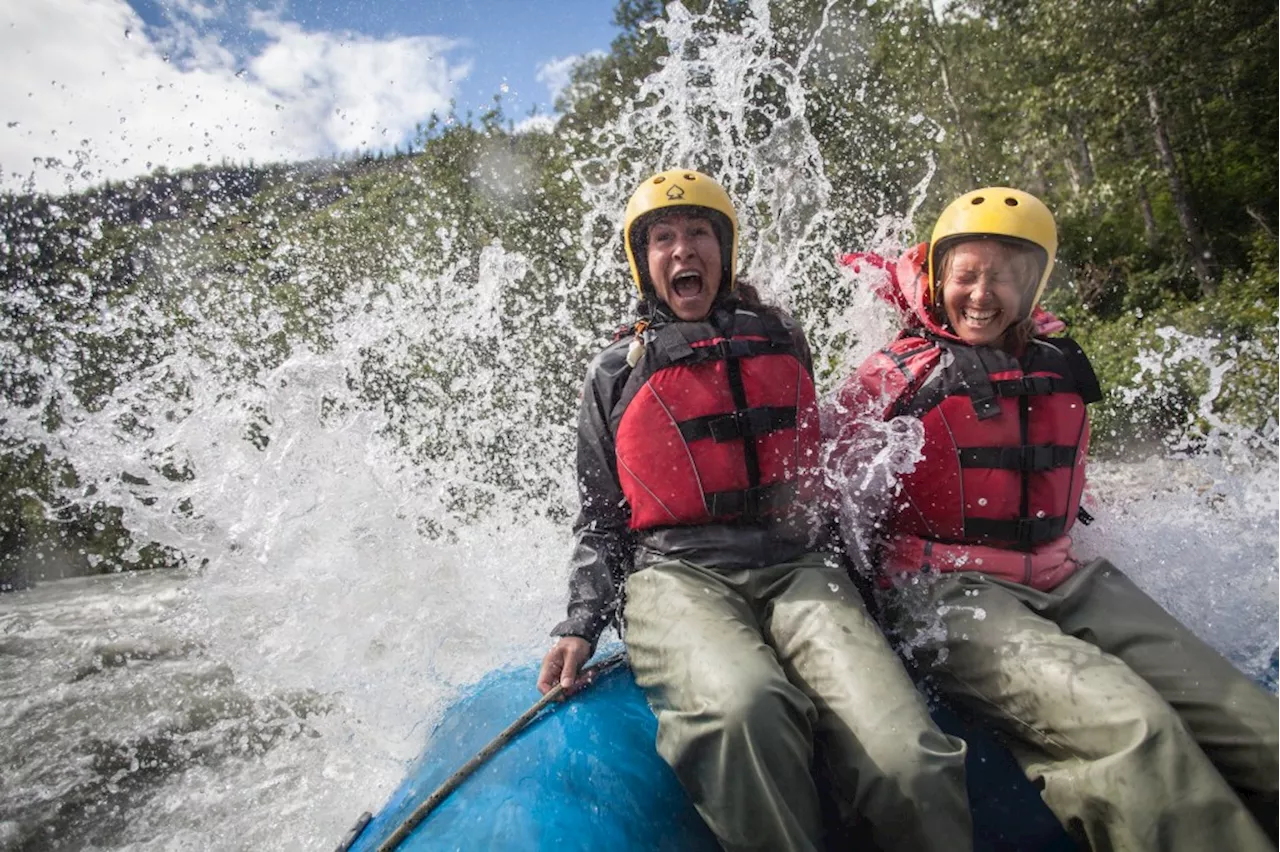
670	191
995	212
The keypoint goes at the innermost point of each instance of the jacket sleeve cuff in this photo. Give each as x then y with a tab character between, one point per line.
582	625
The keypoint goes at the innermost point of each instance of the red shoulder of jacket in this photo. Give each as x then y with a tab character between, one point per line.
886	376
899	282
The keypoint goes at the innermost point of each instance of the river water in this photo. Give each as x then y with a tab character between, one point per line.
264	706
356	557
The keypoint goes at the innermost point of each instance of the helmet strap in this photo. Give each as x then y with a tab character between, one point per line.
654	311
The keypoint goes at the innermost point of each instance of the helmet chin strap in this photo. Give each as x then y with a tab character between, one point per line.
652	308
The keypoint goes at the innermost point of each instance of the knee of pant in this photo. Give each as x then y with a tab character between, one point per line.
908	763
1147	724
763	709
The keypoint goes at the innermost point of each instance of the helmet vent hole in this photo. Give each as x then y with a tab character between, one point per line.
975	202
688	176
1012	202
659	179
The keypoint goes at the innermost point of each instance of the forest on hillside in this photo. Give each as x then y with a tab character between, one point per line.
1148	126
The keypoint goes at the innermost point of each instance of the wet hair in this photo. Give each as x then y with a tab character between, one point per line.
1026	261
747	294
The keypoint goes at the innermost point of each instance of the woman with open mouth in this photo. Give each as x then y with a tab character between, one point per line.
701	527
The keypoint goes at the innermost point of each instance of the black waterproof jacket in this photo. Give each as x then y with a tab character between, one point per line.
606	550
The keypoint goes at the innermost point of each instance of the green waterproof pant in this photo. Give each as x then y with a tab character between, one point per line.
755	673
1139	735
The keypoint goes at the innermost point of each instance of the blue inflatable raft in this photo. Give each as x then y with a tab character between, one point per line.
584	775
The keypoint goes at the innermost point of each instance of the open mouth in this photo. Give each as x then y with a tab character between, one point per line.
980	318
686	284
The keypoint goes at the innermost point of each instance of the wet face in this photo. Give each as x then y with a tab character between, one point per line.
983	283
684	264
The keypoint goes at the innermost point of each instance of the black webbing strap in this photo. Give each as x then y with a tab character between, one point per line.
1033	386
970	368
751	504
1086	380
684	342
773	326
1025	531
673	342
975	381
727	350
1043	457
738	424
899	361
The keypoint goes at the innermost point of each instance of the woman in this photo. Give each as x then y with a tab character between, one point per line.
1139	736
697	443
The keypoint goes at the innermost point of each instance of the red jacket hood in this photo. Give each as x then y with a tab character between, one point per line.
903	286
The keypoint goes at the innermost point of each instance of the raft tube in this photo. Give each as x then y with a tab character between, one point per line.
584	775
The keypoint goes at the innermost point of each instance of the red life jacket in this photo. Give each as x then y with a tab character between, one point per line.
1005	440
715	426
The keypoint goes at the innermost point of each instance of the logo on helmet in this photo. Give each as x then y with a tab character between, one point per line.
675	193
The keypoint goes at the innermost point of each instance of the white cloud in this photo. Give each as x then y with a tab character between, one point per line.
543	123
554	73
196	9
91	93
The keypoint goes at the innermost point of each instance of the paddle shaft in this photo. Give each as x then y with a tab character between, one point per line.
451	783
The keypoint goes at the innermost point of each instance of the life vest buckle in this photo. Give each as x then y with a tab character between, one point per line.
728	427
1025	531
734	349
751	504
1047	457
1037	385
1033	531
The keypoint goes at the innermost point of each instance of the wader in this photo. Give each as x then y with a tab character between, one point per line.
755	673
1138	734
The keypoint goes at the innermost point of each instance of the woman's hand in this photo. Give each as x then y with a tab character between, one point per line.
563	663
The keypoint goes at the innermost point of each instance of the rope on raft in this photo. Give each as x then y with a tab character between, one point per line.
495	745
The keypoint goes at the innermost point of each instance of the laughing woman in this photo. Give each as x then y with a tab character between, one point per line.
1138	735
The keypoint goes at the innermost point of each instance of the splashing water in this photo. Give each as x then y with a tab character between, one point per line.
372	485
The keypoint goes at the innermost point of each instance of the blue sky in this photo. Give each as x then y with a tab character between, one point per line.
100	89
508	40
